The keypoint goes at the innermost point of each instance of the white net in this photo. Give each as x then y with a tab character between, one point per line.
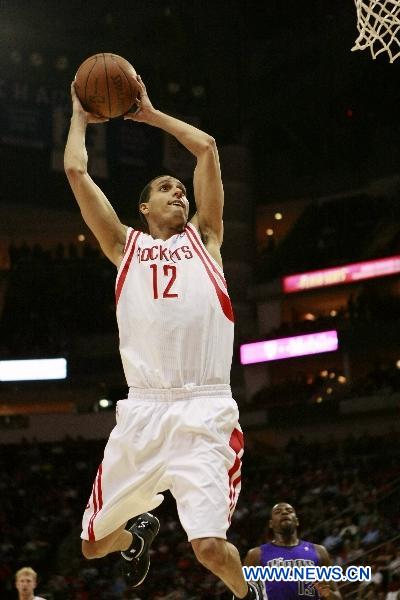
378	23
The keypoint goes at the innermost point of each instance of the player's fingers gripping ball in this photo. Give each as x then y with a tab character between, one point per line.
106	85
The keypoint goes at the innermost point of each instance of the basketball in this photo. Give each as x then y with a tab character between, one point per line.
105	86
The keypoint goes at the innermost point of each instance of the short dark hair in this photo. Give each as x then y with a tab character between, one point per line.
144	197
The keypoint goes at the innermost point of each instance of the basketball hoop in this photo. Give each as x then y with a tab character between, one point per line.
378	22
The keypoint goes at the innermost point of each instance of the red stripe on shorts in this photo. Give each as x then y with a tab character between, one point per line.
99	488
223	298
97	495
124	272
90	526
236	442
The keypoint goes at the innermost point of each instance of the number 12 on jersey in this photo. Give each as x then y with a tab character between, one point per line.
169	272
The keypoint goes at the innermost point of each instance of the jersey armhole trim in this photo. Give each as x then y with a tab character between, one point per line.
219	286
211	261
129	232
129	253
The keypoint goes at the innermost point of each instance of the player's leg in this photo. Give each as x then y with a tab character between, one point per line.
133	543
118	540
222	558
124	488
205	475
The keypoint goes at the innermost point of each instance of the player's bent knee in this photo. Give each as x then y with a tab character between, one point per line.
210	552
91	550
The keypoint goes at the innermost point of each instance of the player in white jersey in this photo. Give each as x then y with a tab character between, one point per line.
25	582
178	429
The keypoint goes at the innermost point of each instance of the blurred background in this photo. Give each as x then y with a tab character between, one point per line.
308	135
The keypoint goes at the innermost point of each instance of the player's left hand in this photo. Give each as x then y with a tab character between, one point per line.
323	588
145	109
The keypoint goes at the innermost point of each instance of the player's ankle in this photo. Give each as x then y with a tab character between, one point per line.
134	549
248	596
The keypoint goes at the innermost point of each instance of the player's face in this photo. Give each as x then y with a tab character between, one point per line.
167	201
283	518
25	585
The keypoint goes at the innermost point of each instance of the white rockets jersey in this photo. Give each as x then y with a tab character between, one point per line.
174	314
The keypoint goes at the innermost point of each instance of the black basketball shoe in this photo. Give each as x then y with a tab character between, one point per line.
136	561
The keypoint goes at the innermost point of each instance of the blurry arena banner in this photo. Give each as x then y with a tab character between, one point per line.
289	347
33	370
343	274
96	143
24	114
133	144
177	160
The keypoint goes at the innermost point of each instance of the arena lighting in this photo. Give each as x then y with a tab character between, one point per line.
104	403
343	274
289	347
33	370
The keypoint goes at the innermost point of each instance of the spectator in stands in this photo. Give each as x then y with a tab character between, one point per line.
369	590
394	588
355	551
349	530
25	582
371	536
332	541
394	565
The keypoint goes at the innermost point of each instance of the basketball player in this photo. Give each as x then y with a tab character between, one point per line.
288	547
178	429
25	582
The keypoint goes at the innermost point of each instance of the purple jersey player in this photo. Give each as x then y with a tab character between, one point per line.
286	548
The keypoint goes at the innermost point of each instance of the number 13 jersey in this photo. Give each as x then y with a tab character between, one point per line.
174	314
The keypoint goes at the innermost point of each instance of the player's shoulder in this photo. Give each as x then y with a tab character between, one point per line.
253	557
307	544
323	554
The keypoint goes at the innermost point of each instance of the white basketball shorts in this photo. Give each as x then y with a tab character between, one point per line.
185	440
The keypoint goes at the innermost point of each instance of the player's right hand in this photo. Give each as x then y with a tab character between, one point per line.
78	109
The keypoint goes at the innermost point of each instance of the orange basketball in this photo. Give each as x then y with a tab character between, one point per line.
105	86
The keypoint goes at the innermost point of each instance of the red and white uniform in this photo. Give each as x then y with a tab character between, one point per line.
174	314
178	429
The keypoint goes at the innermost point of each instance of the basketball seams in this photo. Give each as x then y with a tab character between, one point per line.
108	88
104	85
88	76
94	57
127	79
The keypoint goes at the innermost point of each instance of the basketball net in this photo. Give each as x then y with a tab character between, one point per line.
378	22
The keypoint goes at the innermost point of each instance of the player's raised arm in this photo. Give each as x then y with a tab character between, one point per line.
208	189
96	210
